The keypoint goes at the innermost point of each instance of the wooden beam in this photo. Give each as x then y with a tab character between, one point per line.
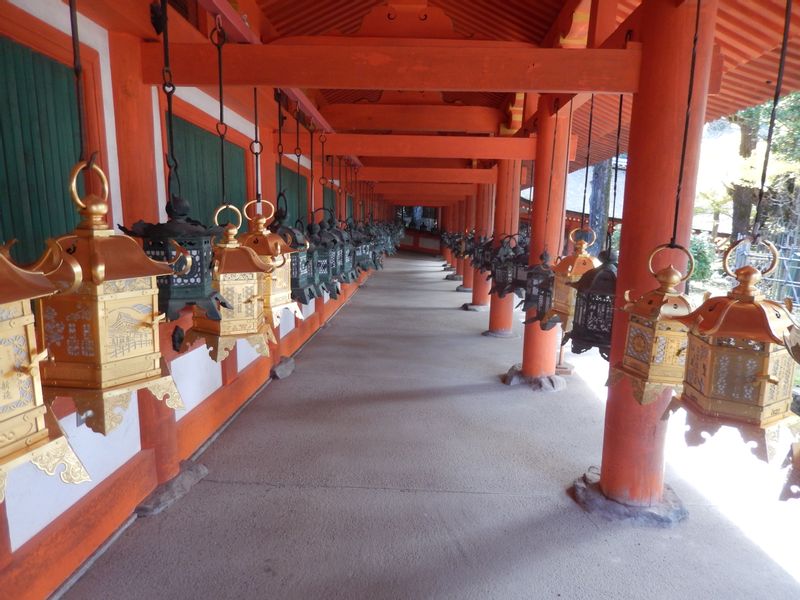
428	175
426	189
431	146
420	201
403	118
374	65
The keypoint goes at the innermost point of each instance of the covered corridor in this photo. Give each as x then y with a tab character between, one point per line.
399	466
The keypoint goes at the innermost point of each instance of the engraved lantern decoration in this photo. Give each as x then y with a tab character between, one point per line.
539	293
240	275
29	432
103	338
594	307
276	252
566	271
655	346
738	363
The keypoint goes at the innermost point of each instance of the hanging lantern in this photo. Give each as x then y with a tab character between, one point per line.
349	272
103	337
241	276
539	293
300	264
738	365
521	267
273	250
594	306
29	432
566	271
655	346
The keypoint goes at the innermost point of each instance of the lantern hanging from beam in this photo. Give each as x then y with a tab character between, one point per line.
103	338
29	432
240	276
539	293
655	345
739	363
276	252
566	271
594	306
301	267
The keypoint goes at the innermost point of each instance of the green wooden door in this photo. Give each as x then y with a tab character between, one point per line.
329	200
39	145
295	190
349	207
197	152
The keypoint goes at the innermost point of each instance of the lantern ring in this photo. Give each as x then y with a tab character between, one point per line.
577	229
657	249
231	208
73	183
770	246
255	202
275	267
180	253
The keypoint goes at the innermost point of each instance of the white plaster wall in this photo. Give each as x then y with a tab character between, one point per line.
245	354
286	323
325	297
34	499
308	309
56	14
197	377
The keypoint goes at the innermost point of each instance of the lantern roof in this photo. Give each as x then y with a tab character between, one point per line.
264	241
743	313
231	257
577	263
602	279
19	284
664	302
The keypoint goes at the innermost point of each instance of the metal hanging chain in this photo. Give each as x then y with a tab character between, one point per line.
298	152
759	219
566	177
323	181
610	225
77	67
311	182
218	38
552	169
330	179
339	191
673	242
281	191
169	90
256	147
588	153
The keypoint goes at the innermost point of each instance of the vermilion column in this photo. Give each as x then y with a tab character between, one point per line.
160	433
506	222
540	347
447	254
5	539
483	228
469	225
460	216
633	447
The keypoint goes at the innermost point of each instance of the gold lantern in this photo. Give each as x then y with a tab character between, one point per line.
103	337
737	365
655	347
569	270
29	432
240	276
274	251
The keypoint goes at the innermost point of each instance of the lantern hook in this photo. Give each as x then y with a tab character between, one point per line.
258	203
662	247
764	272
73	182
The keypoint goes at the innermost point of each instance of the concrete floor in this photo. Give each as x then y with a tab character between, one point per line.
393	464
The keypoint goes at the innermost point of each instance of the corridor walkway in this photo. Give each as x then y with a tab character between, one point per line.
393	464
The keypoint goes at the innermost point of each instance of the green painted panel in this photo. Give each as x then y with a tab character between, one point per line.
349	207
329	199
197	152
295	190
38	148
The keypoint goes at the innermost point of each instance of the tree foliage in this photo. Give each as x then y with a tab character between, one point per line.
703	252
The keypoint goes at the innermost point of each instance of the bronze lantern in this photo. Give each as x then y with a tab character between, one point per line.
103	338
276	252
539	293
240	276
655	346
594	307
738	366
566	271
29	432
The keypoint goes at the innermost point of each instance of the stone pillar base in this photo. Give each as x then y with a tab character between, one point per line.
448	268
545	383
453	277
475	307
500	334
461	288
176	488
284	367
668	513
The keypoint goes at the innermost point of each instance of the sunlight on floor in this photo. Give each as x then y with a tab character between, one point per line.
741	478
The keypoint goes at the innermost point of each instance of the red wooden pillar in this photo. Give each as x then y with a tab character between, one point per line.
483	228
540	347
633	446
459	215
506	222
159	431
447	254
5	539
469	225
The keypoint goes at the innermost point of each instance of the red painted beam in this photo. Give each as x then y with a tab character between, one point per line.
405	118
431	146
428	175
426	189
